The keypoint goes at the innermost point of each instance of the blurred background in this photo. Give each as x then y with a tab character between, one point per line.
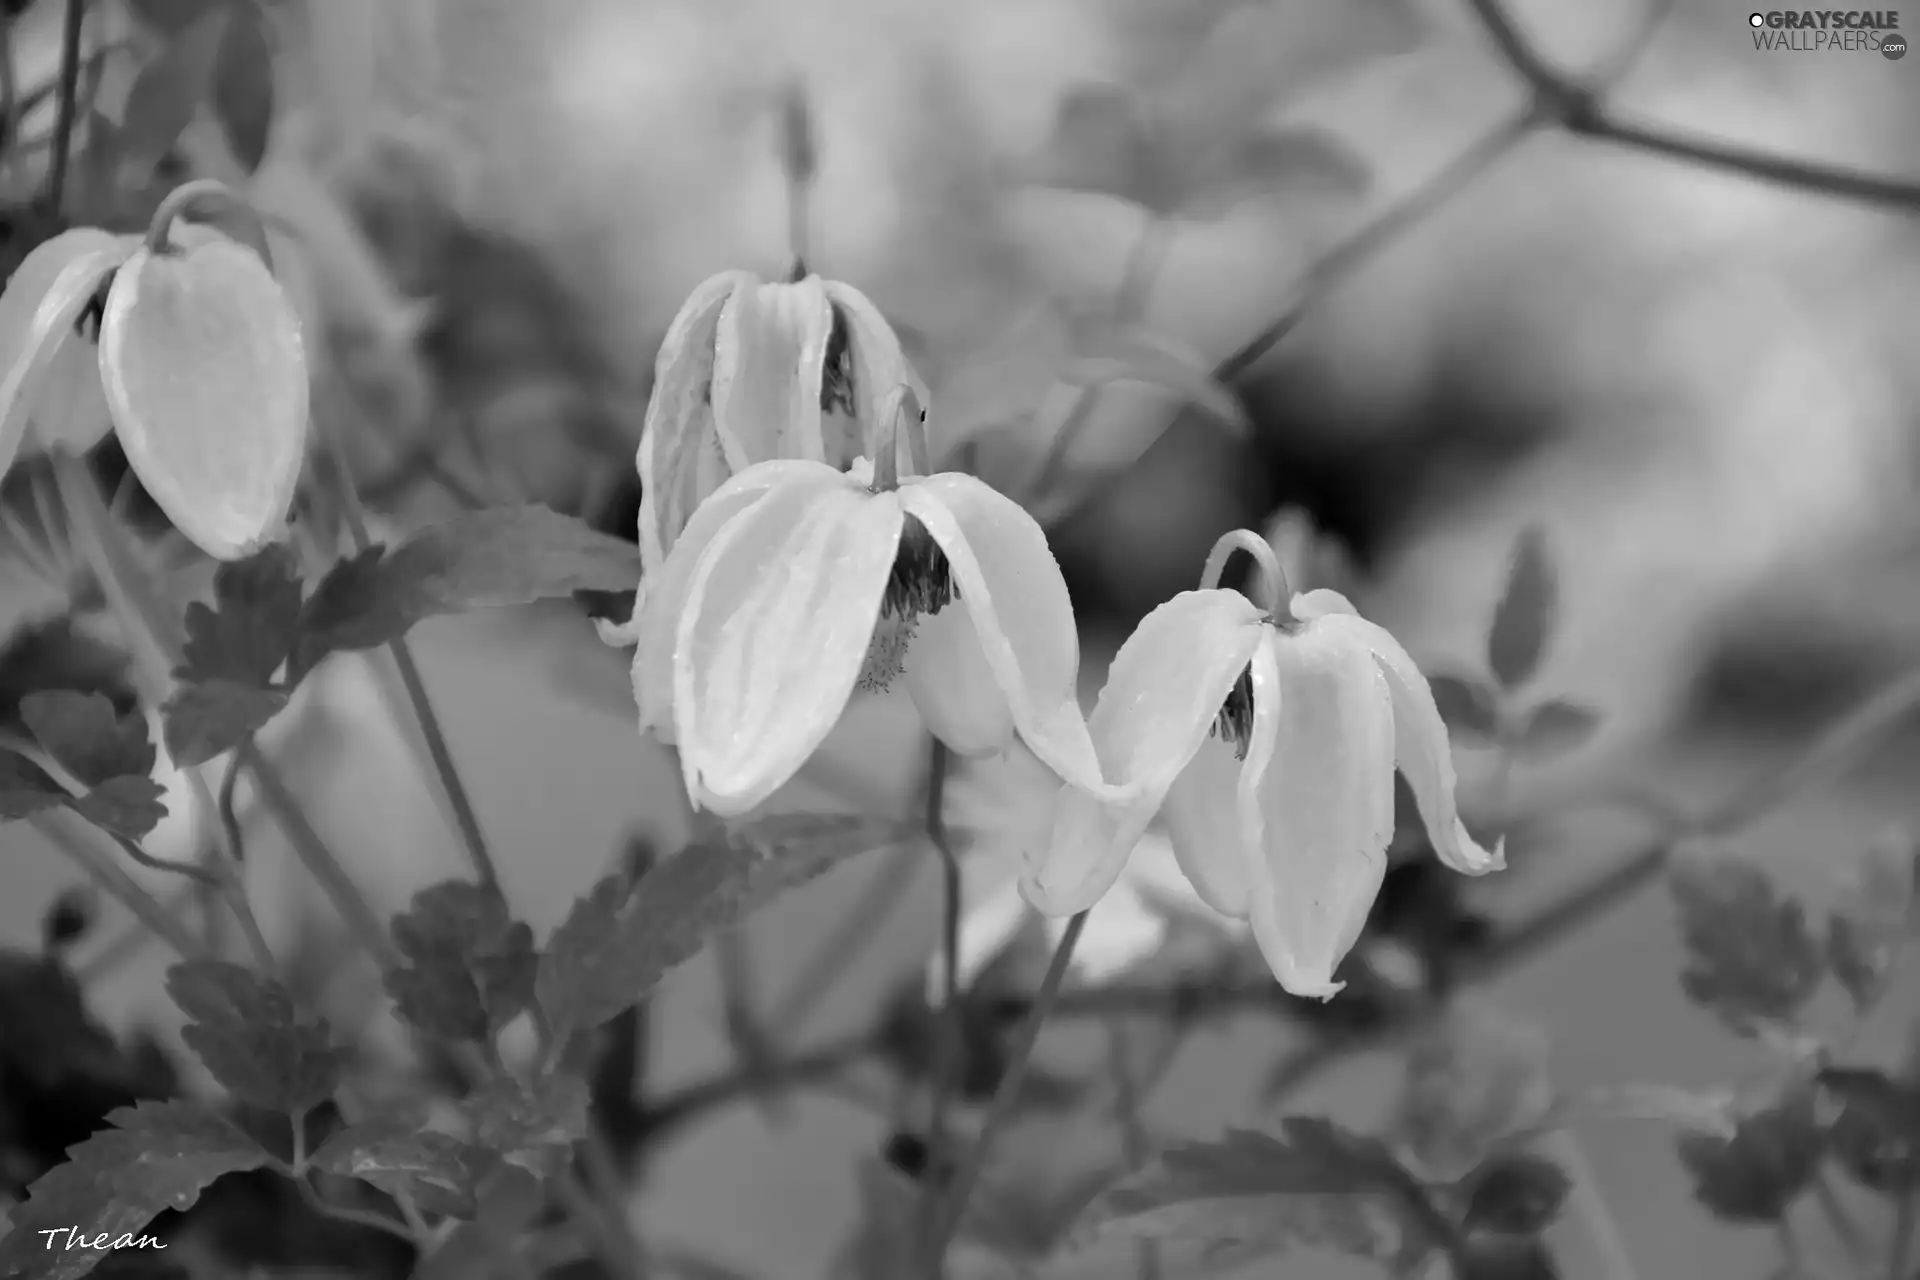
1699	384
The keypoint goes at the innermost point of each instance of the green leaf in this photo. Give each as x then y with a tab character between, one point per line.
1470	707
1104	352
1524	620
1872	920
469	967
249	630
243	85
438	1172
1554	727
56	653
202	721
131	807
158	1156
1097	146
1755	1174
623	937
250	1035
1475	1087
510	1198
525	1123
166	94
1516	1195
87	737
25	788
501	556
1876	1136
1250	1195
1299	167
1750	956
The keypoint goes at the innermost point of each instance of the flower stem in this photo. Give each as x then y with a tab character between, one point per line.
822	971
1906	1217
1000	1109
1271	590
952	1029
202	192
1591	1205
124	888
68	106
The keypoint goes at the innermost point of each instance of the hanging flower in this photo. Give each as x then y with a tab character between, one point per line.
998	810
750	372
796	583
1268	744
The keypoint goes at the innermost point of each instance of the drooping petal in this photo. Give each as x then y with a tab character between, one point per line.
38	309
876	364
681	446
1162	696
656	619
770	355
1326	801
1202	816
1011	587
1421	748
953	686
774	632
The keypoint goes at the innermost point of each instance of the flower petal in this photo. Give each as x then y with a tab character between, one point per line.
877	364
1203	820
679	440
1010	584
1421	748
38	308
776	626
656	613
769	360
953	686
1163	693
1327	806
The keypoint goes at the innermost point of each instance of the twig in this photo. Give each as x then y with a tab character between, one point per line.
69	102
192	871
122	887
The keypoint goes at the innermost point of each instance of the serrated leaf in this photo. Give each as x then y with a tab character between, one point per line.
1876	1136
25	788
1298	167
56	653
1524	620
39	308
209	719
87	737
158	1156
469	967
1871	922
1555	726
501	556
622	938
525	1122
1097	146
252	1037
1470	707
166	94
1516	1195
132	807
1106	353
250	628
1755	1174
1311	1185
510	1198
438	1172
1479	1084
1750	956
243	85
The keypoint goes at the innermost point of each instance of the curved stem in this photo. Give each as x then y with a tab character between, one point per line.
1270	590
129	892
205	191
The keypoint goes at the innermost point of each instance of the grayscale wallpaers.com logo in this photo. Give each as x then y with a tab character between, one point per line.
1823	30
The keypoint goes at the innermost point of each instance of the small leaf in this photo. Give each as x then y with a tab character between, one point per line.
622	938
1480	1084
1871	922
1298	167
1105	353
206	720
510	1198
1516	1195
1524	619
439	1172
1470	707
132	807
159	1156
470	968
207	380
166	95
1876	1136
243	85
1097	145
1750	957
250	628
1770	1159
25	788
57	653
247	1031
1254	1194
39	309
524	1123
87	737
500	556
1556	726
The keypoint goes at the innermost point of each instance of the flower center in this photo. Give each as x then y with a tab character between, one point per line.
920	585
1234	724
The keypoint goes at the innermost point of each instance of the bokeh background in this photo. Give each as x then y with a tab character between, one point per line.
1700	384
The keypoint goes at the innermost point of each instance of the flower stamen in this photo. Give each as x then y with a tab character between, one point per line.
1234	724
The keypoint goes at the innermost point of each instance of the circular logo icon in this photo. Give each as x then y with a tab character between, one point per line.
1756	19
1895	47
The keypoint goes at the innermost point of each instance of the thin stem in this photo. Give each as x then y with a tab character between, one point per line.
191	871
1906	1217
952	1029
358	1217
822	971
67	110
1588	1201
1135	1145
1271	590
1846	1228
9	91
114	880
201	192
1000	1109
